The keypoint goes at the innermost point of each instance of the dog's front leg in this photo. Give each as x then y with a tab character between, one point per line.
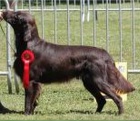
36	93
31	96
28	96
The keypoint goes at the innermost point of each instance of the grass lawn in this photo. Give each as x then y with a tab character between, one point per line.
70	101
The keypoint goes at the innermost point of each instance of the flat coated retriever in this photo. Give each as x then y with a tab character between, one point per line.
60	63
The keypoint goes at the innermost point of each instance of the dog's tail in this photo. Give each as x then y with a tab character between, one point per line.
117	80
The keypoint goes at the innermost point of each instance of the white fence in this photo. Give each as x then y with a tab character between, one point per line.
110	24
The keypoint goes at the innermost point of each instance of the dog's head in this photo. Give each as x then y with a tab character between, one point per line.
22	22
16	19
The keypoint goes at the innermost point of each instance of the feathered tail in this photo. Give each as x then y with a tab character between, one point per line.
117	80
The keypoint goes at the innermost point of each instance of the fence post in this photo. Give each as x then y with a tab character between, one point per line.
42	18
94	22
82	19
107	27
68	23
15	76
8	53
55	21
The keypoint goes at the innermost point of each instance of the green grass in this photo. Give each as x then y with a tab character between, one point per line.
70	101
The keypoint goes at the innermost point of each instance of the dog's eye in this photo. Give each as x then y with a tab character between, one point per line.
19	18
16	16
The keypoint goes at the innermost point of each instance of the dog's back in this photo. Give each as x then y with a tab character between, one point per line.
59	63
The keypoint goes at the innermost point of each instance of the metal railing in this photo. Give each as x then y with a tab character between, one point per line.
86	22
8	71
9	64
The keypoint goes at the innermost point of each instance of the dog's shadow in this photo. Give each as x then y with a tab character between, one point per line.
84	112
4	110
7	111
92	112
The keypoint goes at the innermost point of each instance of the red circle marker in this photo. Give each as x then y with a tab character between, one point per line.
27	57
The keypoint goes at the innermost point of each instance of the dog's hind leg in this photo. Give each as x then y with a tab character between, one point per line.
95	92
31	96
110	92
94	77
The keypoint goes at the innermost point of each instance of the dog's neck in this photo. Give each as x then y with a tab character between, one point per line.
22	44
19	44
26	37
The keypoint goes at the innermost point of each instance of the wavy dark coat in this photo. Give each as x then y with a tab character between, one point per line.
59	63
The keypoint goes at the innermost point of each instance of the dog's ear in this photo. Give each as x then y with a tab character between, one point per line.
27	33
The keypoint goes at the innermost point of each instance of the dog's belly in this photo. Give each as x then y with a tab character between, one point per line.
58	76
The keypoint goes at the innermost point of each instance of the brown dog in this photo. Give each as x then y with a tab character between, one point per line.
59	63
